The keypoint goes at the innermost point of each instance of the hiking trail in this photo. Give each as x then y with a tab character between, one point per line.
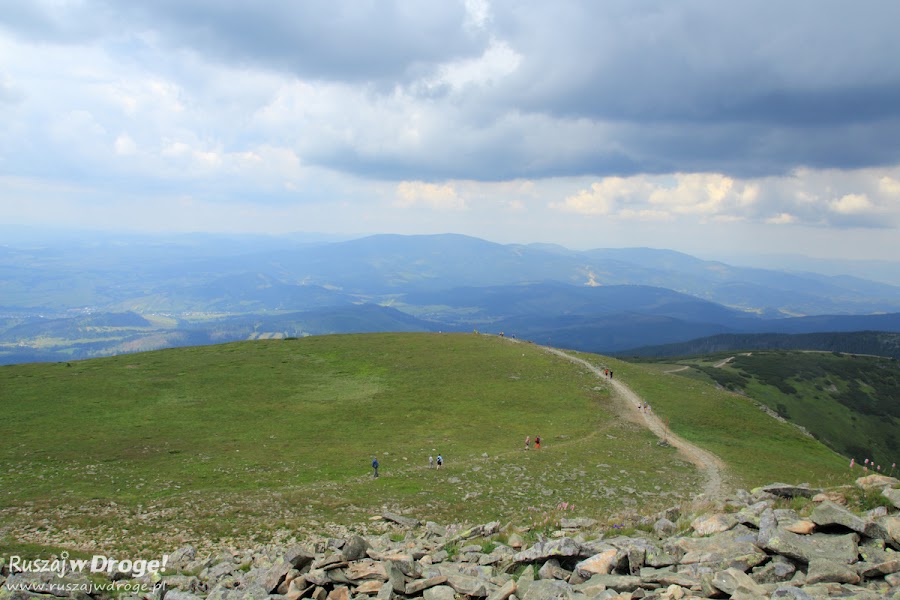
707	462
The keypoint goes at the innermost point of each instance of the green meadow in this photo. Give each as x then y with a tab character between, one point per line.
847	401
262	440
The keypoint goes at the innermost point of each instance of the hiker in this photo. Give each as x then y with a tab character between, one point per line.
527	442
375	467
430	462
440	461
610	375
537	442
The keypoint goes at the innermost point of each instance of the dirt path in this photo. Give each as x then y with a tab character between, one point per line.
722	363
709	463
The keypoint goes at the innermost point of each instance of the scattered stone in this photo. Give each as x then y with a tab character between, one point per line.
598	564
581	523
870	482
400	520
732	580
805	548
664	528
440	592
710	524
423	584
822	570
801	527
355	548
892	495
745	549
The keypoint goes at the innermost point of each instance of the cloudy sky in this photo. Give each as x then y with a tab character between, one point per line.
699	125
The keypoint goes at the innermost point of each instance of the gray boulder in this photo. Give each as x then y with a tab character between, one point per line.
777	570
504	591
355	548
250	591
735	548
892	495
880	569
664	528
620	583
541	551
805	548
666	577
548	589
414	587
553	570
829	514
787	592
822	570
400	520
732	580
470	586
440	592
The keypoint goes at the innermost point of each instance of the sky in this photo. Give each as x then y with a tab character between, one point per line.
700	125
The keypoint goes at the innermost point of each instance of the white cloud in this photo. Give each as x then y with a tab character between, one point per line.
889	186
478	13
124	145
781	219
851	204
498	61
603	196
807	196
554	121
429	195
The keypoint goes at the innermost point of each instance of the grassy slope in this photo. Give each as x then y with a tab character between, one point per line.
252	439
847	401
757	448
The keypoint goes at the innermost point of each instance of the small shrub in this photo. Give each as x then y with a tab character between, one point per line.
452	550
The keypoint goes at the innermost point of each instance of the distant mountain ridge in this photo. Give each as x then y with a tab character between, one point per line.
222	288
876	343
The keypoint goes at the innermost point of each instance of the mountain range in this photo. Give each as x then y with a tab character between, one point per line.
196	288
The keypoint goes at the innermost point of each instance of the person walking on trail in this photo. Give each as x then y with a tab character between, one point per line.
375	467
430	462
527	442
440	461
537	442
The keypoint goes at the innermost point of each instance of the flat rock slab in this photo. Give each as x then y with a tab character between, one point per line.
784	490
564	547
805	548
829	514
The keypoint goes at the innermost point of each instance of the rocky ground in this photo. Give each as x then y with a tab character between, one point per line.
746	546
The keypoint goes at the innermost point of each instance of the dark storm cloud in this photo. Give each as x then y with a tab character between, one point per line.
746	88
338	40
616	87
801	61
